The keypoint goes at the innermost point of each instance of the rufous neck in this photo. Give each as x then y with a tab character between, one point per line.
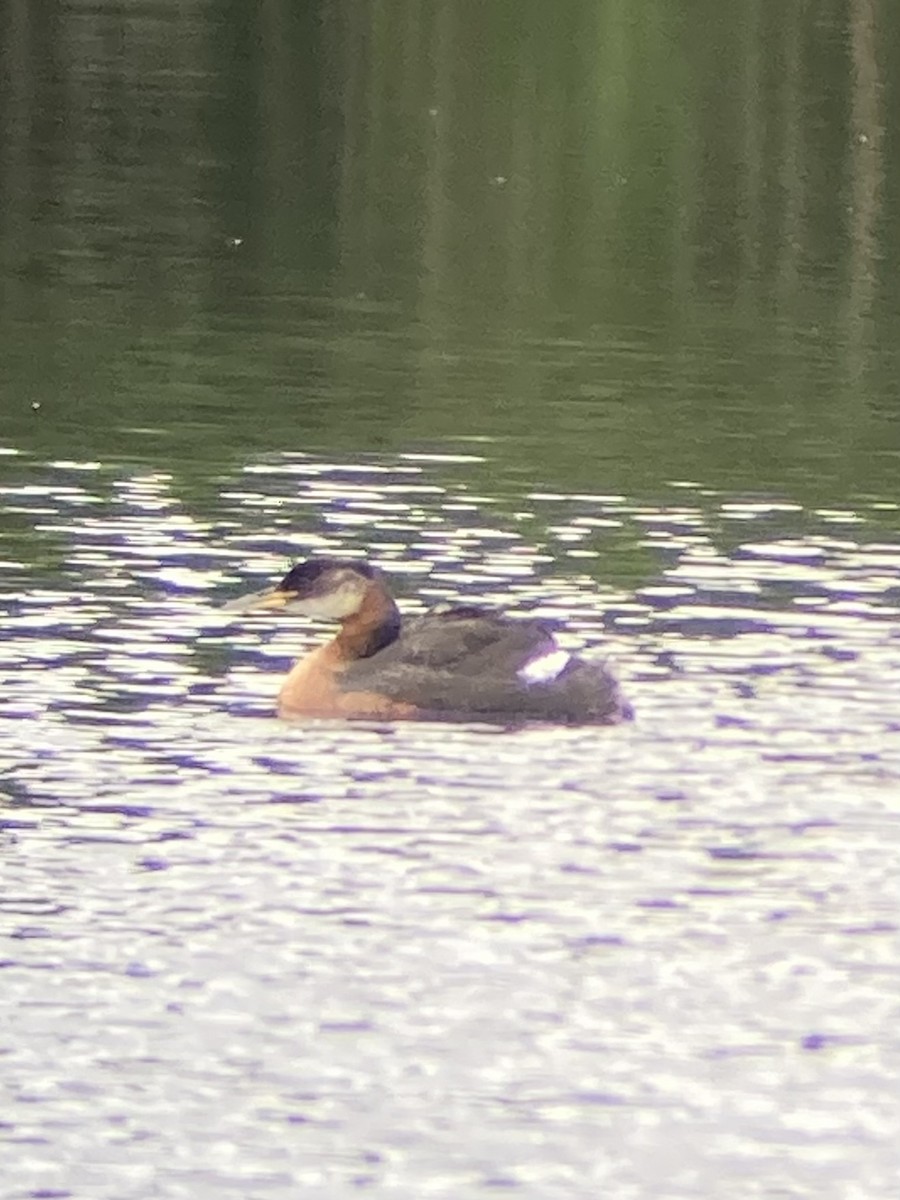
374	625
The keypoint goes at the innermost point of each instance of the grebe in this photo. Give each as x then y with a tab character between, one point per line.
457	663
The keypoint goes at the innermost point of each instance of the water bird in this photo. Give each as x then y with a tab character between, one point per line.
455	663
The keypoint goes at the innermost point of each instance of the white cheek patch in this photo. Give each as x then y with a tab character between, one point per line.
546	667
334	606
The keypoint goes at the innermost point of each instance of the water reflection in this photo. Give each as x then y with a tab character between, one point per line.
588	310
511	224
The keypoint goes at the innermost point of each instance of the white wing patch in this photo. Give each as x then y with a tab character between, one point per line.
546	667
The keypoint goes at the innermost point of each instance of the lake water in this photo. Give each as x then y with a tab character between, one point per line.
592	314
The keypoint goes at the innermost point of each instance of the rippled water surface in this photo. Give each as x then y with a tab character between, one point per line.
248	957
588	310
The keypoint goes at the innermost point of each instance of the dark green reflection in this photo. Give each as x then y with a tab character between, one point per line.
619	244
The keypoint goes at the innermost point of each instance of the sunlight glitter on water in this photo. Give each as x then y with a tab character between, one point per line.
567	909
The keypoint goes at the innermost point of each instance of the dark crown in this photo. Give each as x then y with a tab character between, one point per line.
310	576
